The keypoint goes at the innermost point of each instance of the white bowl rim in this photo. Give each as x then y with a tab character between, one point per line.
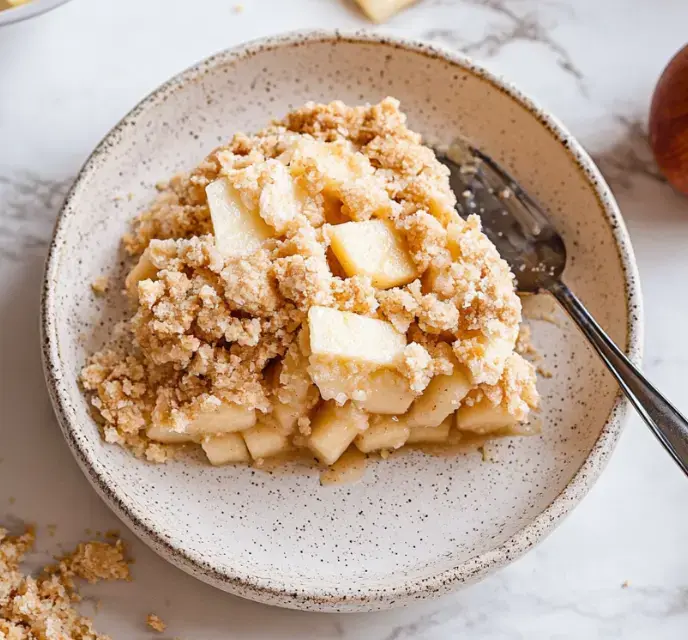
30	10
405	590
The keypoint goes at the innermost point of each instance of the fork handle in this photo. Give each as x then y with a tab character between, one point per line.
670	427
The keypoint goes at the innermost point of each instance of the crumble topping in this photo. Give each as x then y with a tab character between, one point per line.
209	327
42	608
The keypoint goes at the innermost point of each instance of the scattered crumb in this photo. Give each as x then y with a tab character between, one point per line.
12	500
43	607
51	530
155	623
130	196
543	371
625	584
238	8
95	561
100	285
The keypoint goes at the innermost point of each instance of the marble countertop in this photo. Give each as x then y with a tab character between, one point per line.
618	566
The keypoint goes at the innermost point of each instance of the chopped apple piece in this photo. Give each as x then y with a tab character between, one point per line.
143	270
227	419
165	434
484	417
296	394
278	204
238	230
374	390
387	392
381	10
373	248
334	429
384	432
440	399
265	441
431	435
226	448
354	338
335	162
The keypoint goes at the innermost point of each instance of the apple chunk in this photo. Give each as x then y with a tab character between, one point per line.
239	230
440	399
381	10
484	417
354	338
228	418
373	248
431	435
265	441
384	432
143	270
334	429
295	393
387	392
226	448
167	435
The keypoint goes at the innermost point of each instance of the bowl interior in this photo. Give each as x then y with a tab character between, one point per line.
280	536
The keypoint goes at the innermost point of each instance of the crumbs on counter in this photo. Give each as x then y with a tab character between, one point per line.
155	623
43	606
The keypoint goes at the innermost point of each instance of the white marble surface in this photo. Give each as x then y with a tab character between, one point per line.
67	77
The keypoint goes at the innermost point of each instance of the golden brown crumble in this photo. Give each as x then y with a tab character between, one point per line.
42	608
208	328
155	623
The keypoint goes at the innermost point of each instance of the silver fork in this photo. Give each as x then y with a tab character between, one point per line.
528	241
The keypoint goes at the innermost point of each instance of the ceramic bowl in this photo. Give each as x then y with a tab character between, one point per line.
29	10
416	526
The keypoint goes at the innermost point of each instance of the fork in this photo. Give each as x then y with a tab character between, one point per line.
536	253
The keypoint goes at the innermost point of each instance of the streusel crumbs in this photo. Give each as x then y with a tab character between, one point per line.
42	608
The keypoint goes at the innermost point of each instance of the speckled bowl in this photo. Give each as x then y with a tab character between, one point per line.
416	526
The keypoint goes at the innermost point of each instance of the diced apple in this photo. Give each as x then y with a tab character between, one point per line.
352	337
295	393
334	429
384	432
165	434
484	417
431	435
226	448
265	441
278	204
387	392
336	162
375	391
441	398
239	231
226	419
143	270
373	248
381	10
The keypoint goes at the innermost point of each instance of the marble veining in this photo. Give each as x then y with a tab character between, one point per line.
512	25
617	568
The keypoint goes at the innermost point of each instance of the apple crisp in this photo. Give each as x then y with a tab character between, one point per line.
312	288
